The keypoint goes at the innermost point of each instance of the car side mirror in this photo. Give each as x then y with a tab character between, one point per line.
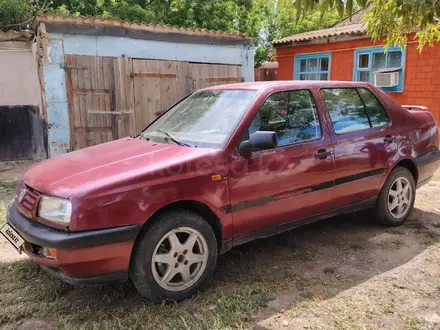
260	140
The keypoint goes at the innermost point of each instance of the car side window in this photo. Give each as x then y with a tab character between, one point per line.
292	115
346	109
375	110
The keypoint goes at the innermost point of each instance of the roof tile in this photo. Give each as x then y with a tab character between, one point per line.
348	26
354	29
79	20
16	35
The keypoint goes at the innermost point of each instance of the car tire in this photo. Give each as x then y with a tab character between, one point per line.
396	199
178	242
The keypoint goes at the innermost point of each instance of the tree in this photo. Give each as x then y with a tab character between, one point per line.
394	19
18	14
397	18
262	20
280	19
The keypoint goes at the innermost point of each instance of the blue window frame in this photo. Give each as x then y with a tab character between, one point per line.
312	66
368	60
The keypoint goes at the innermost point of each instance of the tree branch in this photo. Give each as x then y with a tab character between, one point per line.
18	24
150	3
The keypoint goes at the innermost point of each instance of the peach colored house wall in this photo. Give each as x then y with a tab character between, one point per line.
422	70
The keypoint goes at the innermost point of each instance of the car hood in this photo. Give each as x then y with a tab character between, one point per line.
92	167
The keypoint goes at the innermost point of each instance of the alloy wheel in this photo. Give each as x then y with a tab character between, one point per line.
400	197
179	259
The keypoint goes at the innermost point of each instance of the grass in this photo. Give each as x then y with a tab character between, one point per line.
398	242
412	323
27	292
2	213
396	231
356	246
245	279
7	190
8	187
329	270
306	295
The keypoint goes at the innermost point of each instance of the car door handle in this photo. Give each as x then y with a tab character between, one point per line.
323	154
389	139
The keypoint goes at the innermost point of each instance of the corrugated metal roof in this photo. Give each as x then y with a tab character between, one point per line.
349	26
15	36
160	28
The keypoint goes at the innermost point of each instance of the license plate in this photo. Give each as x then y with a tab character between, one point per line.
12	236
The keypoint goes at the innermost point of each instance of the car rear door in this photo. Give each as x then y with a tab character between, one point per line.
273	187
363	145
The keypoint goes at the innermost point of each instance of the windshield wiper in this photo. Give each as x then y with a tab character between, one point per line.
176	141
141	134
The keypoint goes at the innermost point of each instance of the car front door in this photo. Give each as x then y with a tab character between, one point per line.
272	187
363	146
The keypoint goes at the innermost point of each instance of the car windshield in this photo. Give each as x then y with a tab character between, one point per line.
205	119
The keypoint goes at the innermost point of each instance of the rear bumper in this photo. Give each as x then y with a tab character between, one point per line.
89	257
427	165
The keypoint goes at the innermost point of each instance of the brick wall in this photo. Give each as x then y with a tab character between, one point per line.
422	87
422	83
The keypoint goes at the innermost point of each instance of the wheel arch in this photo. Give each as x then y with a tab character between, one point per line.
191	205
411	166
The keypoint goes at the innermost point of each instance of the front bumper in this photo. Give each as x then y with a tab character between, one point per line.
87	257
36	233
58	273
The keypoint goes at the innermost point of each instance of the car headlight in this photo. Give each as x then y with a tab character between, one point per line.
55	209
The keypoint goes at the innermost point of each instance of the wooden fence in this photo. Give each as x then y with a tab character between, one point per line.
110	97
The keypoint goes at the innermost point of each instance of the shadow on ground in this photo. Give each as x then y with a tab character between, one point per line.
251	282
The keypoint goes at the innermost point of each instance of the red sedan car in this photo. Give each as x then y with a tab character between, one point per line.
224	166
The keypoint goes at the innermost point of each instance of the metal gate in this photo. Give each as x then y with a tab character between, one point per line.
110	98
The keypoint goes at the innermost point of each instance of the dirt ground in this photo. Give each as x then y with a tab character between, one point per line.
341	273
12	171
385	278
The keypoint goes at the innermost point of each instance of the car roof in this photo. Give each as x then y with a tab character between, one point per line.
295	84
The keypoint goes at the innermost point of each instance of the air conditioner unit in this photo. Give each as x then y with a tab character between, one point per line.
388	77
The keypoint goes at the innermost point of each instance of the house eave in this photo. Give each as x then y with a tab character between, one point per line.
320	41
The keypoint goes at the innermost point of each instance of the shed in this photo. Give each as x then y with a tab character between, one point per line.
267	71
105	78
346	52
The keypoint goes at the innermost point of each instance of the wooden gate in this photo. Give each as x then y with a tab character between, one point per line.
205	75
99	93
110	98
158	85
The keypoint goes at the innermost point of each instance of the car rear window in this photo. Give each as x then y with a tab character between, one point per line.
353	109
347	112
